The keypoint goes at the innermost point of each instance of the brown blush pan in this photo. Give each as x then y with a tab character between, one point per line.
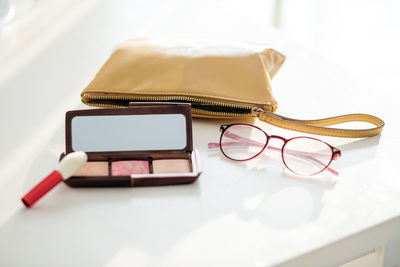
171	166
94	168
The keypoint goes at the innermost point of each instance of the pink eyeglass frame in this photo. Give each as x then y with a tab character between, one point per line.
223	128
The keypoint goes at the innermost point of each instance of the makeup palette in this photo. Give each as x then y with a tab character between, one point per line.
145	144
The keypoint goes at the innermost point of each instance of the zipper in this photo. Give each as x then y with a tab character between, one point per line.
199	106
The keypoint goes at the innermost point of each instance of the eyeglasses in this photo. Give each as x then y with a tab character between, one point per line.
304	156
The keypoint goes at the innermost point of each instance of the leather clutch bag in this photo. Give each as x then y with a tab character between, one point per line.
220	79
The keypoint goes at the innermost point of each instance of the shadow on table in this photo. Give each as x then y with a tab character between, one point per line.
288	200
358	151
274	196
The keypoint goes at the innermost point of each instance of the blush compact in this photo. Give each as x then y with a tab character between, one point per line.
145	144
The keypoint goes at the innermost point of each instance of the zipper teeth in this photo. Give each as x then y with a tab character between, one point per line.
195	110
164	98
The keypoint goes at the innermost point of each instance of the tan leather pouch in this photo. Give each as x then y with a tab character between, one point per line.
220	79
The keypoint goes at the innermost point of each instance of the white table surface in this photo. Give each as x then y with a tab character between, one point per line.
251	214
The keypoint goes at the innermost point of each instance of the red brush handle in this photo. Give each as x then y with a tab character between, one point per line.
42	188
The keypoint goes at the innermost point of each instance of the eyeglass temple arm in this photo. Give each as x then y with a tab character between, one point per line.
300	153
245	141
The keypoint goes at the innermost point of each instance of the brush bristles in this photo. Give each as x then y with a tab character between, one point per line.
72	163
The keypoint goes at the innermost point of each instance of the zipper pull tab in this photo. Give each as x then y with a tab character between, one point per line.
256	111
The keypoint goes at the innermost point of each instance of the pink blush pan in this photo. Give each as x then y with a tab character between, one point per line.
171	166
128	167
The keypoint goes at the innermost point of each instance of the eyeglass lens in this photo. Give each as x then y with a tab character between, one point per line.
242	142
306	156
301	155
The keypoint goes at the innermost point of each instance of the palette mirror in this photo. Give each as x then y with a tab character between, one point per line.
143	132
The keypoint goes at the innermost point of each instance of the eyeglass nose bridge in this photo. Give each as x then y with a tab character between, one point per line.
277	137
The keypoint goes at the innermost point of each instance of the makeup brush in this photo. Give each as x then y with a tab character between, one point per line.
68	166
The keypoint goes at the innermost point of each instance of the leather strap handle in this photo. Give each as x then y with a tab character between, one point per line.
318	126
